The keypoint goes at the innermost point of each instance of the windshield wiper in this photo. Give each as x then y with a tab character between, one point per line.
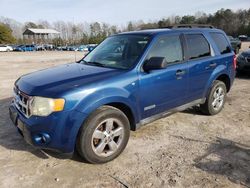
94	63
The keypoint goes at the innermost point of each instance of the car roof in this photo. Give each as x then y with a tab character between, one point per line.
153	32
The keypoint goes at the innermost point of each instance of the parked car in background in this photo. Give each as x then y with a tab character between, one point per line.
243	61
40	47
72	48
13	46
127	81
91	47
62	48
19	48
85	51
5	48
49	47
26	48
235	43
81	48
59	48
243	37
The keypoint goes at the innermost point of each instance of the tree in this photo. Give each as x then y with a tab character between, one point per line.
6	35
16	27
113	30
96	35
130	26
164	23
30	25
232	22
57	41
187	20
43	24
84	39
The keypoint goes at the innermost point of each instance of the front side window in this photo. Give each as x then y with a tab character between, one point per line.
120	51
198	46
168	47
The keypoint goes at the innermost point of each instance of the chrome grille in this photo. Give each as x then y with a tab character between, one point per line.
21	101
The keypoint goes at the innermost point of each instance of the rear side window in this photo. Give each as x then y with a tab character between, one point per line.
221	42
198	46
169	47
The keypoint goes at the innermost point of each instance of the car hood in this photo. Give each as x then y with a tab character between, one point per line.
246	53
54	81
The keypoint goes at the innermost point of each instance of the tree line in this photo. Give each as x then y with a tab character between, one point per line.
232	22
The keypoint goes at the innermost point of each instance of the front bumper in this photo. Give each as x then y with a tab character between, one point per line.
57	132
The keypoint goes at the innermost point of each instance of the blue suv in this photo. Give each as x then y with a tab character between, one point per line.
127	81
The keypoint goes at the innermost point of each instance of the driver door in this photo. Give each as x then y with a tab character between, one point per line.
164	89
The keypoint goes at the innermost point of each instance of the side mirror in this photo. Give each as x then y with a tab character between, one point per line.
155	63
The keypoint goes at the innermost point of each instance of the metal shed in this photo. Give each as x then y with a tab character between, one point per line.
39	35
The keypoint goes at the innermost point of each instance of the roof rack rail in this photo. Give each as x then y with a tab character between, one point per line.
190	26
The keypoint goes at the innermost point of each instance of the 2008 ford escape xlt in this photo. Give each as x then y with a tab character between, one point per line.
130	79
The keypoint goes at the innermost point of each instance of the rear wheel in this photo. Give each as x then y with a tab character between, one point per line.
104	135
216	99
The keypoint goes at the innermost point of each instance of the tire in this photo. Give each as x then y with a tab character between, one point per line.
104	135
216	99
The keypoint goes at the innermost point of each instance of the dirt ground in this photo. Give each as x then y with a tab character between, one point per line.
186	149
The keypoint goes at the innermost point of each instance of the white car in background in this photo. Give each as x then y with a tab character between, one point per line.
5	48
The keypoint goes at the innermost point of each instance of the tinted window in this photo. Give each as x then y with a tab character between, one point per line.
168	47
197	46
221	42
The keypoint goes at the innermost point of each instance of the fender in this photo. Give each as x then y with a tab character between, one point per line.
108	95
221	69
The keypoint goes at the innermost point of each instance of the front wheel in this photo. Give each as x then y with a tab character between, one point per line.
104	135
216	99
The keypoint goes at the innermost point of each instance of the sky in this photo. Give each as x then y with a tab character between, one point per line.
110	11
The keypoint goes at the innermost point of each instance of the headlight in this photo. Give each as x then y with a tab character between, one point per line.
41	106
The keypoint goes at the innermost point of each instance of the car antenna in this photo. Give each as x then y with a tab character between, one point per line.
74	34
75	55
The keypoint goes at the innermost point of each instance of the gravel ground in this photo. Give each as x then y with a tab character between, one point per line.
186	149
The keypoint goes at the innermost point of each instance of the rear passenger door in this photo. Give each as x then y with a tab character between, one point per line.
224	53
201	64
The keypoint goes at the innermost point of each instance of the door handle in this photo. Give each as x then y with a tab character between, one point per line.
180	72
213	65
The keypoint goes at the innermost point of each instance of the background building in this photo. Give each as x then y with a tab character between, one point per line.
37	36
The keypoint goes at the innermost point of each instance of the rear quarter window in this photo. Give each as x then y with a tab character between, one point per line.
221	42
198	46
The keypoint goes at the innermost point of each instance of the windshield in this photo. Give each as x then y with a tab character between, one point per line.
120	51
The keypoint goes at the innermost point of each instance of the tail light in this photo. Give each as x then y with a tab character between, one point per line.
234	62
